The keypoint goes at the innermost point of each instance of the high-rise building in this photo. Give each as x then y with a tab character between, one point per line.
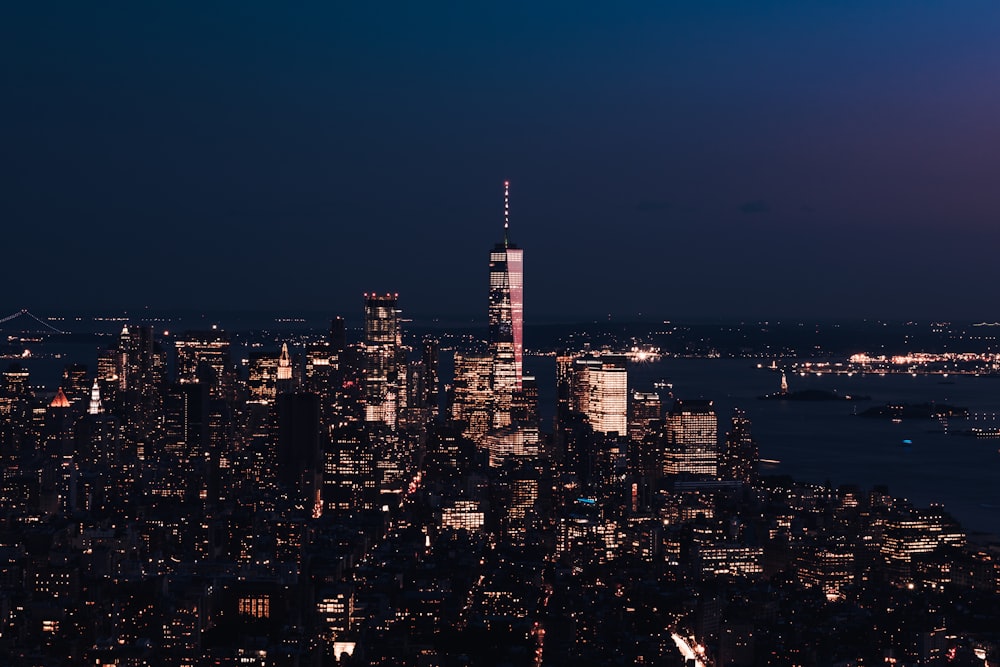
738	459
829	567
473	400
382	356
263	377
522	483
96	437
338	334
429	360
600	391
608	410
524	407
142	361
299	446
285	376
643	411
15	381
95	407
506	319
186	433
514	442
75	383
564	383
350	472
691	439
137	397
203	356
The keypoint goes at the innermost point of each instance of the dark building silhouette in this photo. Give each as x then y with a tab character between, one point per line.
338	334
299	445
738	459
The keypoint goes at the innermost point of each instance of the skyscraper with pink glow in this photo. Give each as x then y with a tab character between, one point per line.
506	316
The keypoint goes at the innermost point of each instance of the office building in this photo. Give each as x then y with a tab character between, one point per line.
299	447
263	378
738	459
691	439
473	399
382	358
203	357
643	411
506	319
599	390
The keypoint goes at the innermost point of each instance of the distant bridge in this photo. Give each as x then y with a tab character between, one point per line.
25	313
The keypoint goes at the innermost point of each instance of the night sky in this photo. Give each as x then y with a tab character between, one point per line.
701	159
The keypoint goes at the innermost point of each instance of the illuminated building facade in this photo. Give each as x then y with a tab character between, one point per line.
141	361
284	365
350	474
473	398
95	407
913	532
334	608
522	486
463	515
591	539
524	407
262	380
506	320
513	442
691	439
108	366
644	409
727	559
829	568
600	391
382	355
203	356
75	383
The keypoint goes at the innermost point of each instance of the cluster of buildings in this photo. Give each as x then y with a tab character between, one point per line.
339	502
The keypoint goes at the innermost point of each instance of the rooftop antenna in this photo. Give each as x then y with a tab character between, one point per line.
506	212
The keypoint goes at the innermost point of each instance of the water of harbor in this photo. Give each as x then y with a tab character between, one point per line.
823	441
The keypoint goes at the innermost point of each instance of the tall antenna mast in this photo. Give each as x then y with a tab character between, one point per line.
506	211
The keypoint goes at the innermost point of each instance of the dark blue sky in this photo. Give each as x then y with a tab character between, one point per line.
773	159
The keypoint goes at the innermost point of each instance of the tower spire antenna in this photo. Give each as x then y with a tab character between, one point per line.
506	212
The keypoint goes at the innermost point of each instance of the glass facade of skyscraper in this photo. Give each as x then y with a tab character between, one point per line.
506	319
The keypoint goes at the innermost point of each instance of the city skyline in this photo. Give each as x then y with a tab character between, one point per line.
269	397
319	496
763	161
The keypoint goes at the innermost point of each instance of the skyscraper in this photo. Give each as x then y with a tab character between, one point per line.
599	389
644	410
506	317
203	356
382	352
738	459
299	446
472	402
691	436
